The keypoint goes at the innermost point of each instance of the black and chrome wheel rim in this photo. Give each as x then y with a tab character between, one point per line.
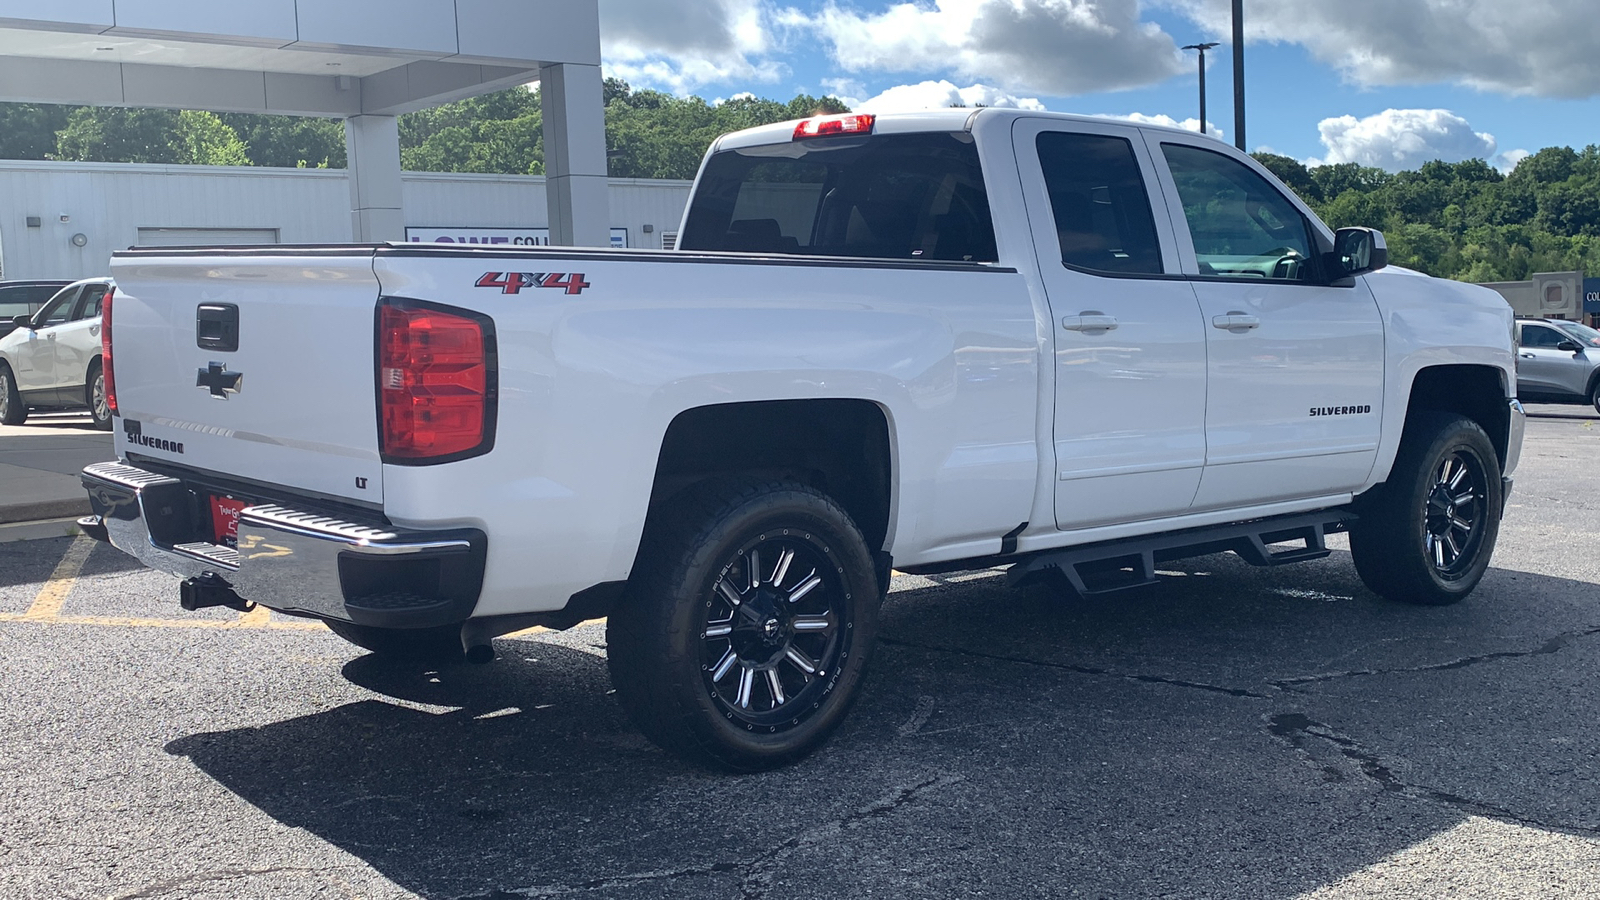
776	630
1456	514
5	395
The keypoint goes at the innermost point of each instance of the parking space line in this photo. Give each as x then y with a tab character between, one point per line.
47	603
238	624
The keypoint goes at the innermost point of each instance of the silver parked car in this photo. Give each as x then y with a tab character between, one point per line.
1558	362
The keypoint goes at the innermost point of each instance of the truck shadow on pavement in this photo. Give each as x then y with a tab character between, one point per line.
1228	734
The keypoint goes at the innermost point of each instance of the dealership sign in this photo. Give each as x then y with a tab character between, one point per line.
1591	295
515	237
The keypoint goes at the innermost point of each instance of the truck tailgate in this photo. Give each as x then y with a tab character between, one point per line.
293	405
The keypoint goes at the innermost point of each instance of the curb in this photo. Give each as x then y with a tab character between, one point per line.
39	531
13	513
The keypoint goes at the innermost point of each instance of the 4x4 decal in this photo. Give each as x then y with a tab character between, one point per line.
514	282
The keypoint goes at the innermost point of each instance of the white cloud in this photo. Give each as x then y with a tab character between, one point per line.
1546	47
683	45
1397	139
1508	160
1190	124
1054	47
941	95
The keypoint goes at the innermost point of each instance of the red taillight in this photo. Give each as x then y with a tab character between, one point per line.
828	126
435	382
105	350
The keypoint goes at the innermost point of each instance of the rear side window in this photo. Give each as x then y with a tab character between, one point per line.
1102	210
908	196
89	306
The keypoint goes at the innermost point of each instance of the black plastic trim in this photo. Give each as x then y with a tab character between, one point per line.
491	381
721	257
728	258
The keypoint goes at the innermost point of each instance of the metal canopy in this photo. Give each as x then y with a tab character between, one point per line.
359	60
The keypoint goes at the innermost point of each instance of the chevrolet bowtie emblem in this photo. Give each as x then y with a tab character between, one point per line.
217	379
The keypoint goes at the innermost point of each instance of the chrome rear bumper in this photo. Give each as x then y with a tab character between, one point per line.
291	560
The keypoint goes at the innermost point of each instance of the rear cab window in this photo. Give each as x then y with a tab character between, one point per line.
915	197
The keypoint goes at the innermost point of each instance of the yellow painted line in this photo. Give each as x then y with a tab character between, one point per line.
47	604
260	617
238	624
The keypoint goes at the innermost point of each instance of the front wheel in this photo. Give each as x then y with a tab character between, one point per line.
12	410
747	625
99	404
1425	536
1594	396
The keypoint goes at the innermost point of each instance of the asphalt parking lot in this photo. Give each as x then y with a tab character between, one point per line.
1234	732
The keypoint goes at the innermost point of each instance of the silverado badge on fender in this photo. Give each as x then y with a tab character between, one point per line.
217	379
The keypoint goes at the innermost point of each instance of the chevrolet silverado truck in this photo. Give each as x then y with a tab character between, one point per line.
921	342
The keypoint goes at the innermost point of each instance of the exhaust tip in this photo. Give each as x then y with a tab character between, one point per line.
480	654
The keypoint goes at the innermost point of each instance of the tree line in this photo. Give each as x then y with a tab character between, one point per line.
1460	220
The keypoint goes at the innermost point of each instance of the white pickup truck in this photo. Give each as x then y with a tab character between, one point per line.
922	342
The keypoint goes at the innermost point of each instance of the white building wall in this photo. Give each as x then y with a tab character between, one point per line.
108	203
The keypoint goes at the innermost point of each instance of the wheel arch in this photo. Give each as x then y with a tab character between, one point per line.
841	447
1478	392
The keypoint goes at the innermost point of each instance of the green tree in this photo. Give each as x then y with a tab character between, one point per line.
290	141
28	130
1293	173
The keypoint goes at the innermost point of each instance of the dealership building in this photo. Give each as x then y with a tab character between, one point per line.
364	62
63	220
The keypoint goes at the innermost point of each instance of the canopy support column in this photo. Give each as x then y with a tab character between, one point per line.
372	144
575	155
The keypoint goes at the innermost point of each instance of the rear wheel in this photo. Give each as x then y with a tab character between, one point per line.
12	411
441	644
1594	396
1425	536
99	405
747	625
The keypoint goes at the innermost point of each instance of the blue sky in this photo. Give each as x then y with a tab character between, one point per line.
1391	83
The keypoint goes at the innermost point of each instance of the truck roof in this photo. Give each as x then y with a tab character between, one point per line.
953	119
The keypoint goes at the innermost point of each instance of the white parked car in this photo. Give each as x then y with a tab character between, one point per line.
51	360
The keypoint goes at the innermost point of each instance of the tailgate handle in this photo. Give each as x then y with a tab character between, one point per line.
217	327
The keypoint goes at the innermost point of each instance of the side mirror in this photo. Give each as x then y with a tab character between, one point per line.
1570	347
1357	251
23	321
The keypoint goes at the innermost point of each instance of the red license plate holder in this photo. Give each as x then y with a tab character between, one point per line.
225	520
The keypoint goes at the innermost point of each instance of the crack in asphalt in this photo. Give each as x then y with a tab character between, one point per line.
758	873
1082	670
1295	729
1553	645
170	885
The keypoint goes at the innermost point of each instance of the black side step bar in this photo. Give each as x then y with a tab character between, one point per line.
1119	565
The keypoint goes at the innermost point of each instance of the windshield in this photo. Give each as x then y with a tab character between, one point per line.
1583	333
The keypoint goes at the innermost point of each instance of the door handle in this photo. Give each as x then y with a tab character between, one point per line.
1233	320
1528	356
1090	321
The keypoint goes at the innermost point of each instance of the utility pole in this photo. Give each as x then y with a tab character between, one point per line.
1238	74
1202	48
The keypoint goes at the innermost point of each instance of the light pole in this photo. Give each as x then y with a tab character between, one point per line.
1202	48
1238	74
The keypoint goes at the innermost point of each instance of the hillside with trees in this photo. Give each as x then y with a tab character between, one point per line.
1460	220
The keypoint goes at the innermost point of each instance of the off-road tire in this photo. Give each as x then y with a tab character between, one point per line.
441	644
710	661
1426	534
12	410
